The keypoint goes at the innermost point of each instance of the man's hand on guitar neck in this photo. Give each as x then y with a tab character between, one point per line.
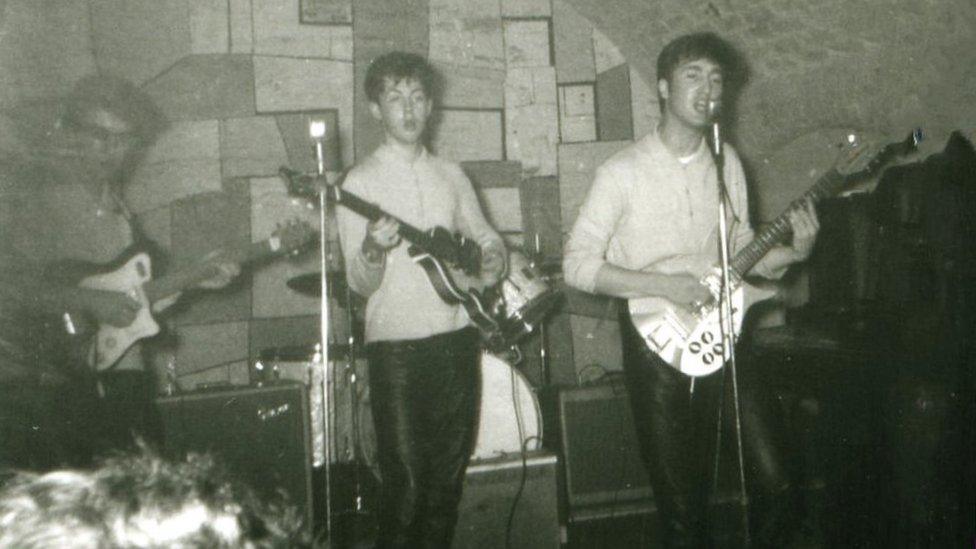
382	235
224	272
492	264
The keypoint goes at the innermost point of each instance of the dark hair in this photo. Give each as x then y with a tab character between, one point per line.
700	45
128	501
116	96
397	66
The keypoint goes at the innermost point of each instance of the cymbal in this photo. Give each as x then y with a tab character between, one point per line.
310	284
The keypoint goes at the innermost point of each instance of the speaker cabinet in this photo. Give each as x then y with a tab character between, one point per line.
603	467
492	488
261	435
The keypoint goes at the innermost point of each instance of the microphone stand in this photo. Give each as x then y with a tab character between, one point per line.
317	133
727	326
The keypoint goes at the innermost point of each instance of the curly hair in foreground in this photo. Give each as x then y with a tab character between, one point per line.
142	501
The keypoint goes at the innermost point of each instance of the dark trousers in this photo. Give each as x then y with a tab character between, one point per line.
424	397
676	430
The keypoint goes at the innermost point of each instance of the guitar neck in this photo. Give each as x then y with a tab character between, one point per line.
373	212
779	229
189	277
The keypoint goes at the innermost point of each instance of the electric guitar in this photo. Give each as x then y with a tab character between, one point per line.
451	261
132	274
691	341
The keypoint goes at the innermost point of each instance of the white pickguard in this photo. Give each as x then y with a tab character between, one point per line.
690	342
112	342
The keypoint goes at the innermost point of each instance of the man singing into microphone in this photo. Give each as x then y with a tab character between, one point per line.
648	227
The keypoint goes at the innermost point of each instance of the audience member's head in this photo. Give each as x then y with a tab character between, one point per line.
141	501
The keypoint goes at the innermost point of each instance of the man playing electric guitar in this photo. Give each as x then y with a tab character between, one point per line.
61	200
422	352
645	230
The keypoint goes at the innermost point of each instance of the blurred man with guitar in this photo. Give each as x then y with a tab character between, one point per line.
422	350
648	229
62	203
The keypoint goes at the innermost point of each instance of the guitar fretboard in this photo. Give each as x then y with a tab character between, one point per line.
779	229
171	284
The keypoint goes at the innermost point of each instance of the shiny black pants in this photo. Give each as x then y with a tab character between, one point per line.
424	397
676	430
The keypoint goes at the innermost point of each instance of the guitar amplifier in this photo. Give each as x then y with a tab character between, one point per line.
496	490
261	435
603	467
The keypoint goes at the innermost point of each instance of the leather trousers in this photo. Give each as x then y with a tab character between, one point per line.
676	430
424	398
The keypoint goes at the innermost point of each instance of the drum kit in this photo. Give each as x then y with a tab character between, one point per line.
509	419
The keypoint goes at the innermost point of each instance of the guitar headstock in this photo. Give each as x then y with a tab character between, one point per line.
293	236
860	160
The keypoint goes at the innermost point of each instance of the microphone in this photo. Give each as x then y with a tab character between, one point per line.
316	130
714	107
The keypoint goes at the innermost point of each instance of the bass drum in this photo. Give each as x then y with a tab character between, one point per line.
509	417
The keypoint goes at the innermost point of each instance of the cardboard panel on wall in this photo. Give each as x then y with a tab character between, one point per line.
577	164
380	26
462	135
471	87
527	43
526	8
502	208
577	112
615	121
326	12
183	162
540	212
532	119
44	51
644	104
138	39
300	147
155	225
203	346
279	31
596	347
605	53
202	87
297	85
241	26
204	223
209	26
251	147
271	206
290	332
492	173
467	33
572	44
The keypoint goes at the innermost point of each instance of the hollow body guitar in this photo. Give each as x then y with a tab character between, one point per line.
691	340
451	261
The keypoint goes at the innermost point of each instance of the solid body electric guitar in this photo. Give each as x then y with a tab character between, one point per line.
691	340
131	274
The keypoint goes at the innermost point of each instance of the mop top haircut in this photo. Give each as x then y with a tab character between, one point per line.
142	501
703	45
397	66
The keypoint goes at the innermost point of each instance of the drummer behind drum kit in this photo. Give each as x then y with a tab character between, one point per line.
509	420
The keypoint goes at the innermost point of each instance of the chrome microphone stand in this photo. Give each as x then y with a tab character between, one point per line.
725	316
316	130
